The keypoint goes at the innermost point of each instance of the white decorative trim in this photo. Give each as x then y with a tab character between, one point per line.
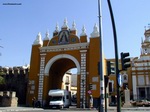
147	80
83	77
95	32
67	47
41	77
46	36
83	73
43	54
73	26
94	87
51	61
65	25
57	28
83	31
38	40
83	51
95	79
134	86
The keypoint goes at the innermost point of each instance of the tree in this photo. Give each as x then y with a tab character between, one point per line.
2	80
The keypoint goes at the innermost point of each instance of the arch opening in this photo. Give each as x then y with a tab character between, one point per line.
62	56
58	69
60	76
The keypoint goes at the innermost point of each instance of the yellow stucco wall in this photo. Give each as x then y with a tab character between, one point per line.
62	65
33	74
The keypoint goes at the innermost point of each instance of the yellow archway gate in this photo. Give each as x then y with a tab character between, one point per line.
51	58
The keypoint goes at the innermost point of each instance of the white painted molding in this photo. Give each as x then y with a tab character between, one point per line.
51	61
134	86
43	54
65	47
83	51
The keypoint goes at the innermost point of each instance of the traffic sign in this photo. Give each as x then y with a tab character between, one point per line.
120	80
89	91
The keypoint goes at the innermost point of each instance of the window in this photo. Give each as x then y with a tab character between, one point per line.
110	87
67	80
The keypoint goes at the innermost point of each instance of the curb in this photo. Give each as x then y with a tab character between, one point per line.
8	109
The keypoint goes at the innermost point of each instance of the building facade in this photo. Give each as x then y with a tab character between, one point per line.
140	71
137	77
66	81
52	57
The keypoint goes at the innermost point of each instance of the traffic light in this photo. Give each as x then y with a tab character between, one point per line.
125	61
106	79
90	86
110	68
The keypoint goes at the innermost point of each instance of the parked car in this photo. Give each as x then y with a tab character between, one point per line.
146	103
133	103
140	103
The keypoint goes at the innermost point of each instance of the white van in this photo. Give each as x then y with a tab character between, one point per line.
59	98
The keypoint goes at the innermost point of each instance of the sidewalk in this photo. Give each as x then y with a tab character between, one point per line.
111	109
114	109
5	109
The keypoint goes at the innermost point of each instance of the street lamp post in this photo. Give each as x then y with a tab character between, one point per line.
101	105
116	56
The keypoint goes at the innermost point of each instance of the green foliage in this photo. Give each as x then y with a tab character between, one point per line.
2	80
2	73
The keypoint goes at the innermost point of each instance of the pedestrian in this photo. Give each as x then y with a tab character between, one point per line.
33	102
91	101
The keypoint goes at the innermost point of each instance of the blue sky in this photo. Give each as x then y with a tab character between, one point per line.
20	24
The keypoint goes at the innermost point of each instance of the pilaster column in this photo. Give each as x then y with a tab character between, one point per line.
83	79
41	77
134	86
